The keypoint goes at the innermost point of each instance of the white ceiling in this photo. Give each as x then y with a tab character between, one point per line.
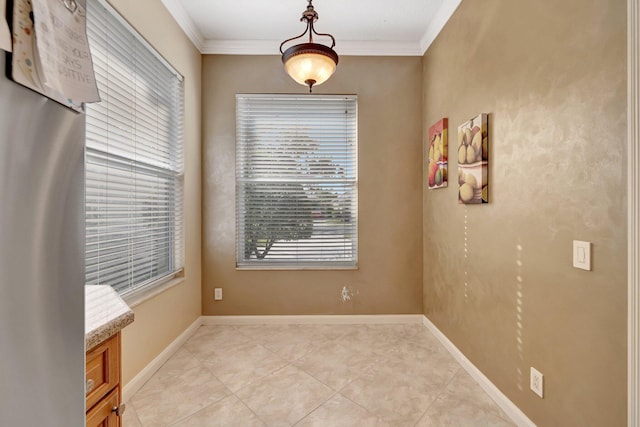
361	27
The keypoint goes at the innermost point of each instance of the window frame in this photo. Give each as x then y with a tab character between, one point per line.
351	144
171	173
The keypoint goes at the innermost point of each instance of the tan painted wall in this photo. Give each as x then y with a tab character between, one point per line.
498	278
163	318
390	227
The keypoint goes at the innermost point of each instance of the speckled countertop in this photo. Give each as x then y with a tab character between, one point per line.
104	315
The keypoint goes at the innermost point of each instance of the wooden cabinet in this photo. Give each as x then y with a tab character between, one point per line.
102	414
103	390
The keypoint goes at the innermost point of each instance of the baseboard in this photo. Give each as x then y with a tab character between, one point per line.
516	415
143	376
331	319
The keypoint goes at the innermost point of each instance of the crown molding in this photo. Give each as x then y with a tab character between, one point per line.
241	47
181	16
379	48
345	47
438	22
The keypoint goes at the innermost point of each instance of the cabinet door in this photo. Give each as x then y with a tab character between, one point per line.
103	369
103	414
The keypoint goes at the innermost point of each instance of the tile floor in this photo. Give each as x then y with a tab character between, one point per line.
312	375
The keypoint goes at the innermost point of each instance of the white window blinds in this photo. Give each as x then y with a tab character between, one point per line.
296	181
134	180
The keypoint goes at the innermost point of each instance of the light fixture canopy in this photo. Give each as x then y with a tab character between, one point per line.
310	64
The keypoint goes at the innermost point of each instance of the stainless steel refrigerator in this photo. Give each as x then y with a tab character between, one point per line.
41	260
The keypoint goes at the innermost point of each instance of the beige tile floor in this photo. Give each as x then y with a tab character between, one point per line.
312	375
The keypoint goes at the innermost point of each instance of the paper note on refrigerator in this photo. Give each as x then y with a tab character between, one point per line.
62	49
5	33
25	61
23	69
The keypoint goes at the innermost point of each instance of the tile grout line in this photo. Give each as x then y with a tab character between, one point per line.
443	391
250	410
292	364
322	382
317	407
136	413
231	392
202	364
360	406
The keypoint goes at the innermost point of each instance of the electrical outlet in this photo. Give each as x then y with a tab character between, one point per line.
537	382
217	294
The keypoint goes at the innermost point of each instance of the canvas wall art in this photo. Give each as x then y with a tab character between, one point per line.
473	161
437	155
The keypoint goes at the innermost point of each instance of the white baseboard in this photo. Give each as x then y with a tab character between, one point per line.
143	376
516	415
330	319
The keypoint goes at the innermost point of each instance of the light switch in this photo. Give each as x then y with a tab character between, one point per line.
582	255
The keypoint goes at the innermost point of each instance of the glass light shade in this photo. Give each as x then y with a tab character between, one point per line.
310	63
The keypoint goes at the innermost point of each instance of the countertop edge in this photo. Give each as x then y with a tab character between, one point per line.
107	330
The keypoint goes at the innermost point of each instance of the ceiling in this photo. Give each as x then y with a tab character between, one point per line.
371	27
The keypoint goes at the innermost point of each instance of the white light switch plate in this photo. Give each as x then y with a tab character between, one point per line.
582	255
217	294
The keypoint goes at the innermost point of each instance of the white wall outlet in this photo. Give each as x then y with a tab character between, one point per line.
537	382
217	294
582	255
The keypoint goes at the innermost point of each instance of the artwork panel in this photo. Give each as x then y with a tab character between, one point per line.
437	155
473	161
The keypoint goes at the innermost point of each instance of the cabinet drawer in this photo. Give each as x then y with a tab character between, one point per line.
103	370
103	414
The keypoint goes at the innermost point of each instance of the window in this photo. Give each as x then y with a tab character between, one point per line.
134	178
296	181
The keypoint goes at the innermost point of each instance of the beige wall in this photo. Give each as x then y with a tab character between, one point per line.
498	278
161	319
390	227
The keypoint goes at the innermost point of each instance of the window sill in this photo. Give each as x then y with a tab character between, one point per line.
292	268
137	297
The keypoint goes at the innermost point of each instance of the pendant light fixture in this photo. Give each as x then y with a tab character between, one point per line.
310	64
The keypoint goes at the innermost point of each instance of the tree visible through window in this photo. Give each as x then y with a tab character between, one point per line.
296	181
